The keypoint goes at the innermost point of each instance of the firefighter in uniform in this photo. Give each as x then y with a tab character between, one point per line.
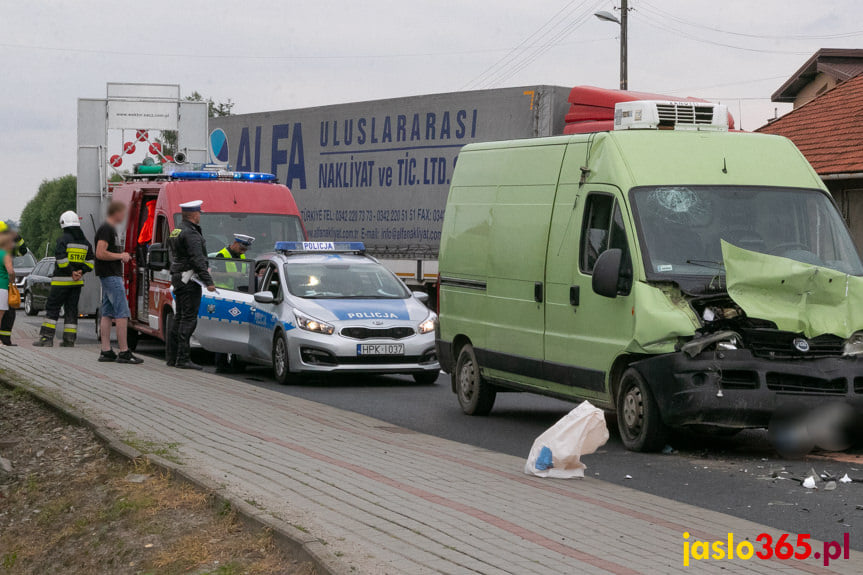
189	271
8	321
236	251
74	258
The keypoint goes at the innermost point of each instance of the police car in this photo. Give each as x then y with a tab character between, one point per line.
320	307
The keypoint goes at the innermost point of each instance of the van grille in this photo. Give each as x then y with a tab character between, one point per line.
739	379
682	113
377	333
775	344
791	383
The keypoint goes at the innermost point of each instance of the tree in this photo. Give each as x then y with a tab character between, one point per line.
40	220
168	138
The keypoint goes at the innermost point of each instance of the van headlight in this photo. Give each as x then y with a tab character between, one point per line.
428	324
311	324
854	344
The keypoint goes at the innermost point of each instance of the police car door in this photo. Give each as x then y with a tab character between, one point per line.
223	321
266	316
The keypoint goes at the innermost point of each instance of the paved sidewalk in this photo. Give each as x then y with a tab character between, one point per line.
384	499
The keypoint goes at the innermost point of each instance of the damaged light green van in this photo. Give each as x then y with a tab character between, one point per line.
681	277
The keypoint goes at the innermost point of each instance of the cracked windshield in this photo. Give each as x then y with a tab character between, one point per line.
683	227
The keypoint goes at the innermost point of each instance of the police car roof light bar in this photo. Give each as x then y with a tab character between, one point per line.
320	247
213	175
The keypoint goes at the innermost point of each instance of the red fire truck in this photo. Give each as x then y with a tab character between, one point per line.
234	202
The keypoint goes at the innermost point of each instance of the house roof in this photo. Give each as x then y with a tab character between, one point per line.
828	129
840	63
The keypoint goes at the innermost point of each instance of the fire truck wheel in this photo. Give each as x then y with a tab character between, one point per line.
281	361
98	324
166	325
132	338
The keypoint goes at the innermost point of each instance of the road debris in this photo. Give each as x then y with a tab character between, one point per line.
557	451
136	478
809	483
845	479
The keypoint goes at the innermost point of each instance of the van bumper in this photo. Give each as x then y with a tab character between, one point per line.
736	389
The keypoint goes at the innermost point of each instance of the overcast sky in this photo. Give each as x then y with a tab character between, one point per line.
268	55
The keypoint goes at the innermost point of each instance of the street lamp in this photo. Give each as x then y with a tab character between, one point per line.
622	22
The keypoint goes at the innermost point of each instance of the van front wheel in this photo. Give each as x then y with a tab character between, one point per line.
475	395
638	419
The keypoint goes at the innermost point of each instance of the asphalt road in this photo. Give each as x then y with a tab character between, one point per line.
733	476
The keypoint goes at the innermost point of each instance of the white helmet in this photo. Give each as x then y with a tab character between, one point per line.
69	219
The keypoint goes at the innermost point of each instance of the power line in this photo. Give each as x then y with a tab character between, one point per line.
513	52
552	27
540	50
666	14
725	84
665	28
268	57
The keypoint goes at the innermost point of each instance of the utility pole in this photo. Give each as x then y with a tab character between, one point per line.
624	18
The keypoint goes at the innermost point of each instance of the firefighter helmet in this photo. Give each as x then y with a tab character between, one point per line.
69	219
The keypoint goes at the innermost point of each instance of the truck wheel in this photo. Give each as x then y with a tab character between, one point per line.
167	324
132	338
29	308
638	419
426	377
475	395
281	360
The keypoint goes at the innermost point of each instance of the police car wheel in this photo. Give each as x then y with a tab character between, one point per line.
281	361
638	418
29	308
426	377
475	395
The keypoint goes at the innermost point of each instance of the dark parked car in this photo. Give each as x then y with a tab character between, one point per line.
37	285
23	267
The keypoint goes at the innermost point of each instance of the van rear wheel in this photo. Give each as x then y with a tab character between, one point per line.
475	395
638	418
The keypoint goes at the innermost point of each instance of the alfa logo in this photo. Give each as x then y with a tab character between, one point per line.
234	311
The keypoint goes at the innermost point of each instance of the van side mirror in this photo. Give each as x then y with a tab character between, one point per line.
157	258
606	273
264	297
422	296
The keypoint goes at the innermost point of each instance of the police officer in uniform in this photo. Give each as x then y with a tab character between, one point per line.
236	251
74	258
8	321
189	271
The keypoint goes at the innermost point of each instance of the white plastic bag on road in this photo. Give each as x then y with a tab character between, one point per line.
557	452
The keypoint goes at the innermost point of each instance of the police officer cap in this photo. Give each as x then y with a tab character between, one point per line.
193	206
244	239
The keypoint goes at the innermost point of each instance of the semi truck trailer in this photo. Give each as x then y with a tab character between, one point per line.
379	171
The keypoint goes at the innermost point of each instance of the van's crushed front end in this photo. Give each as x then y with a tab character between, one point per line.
784	336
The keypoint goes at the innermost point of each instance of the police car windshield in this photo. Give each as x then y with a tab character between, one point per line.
681	228
219	229
339	278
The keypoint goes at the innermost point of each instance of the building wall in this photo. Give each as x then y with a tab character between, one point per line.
820	84
849	197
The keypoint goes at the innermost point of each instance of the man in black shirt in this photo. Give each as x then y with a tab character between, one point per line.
109	268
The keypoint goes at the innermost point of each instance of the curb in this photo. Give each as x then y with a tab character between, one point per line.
303	545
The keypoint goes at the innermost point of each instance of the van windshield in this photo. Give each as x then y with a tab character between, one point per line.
681	228
267	229
341	279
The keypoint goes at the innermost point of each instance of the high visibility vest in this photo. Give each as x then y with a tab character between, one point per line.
230	266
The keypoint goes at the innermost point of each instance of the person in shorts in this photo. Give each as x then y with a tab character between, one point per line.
109	269
7	272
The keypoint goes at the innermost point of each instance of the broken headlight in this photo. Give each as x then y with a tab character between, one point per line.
854	344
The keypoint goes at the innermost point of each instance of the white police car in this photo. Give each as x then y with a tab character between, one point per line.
319	307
